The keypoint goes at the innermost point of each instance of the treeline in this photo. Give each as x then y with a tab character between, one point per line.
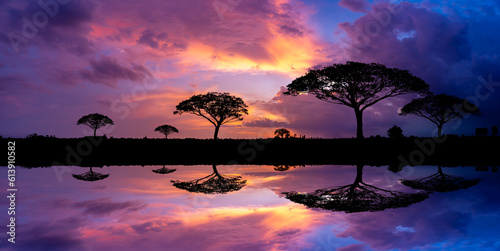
100	151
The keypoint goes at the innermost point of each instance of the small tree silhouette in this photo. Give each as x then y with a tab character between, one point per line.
440	109
356	197
282	133
440	182
357	85
213	183
482	131
395	132
494	130
282	168
166	130
95	121
90	176
163	170
218	108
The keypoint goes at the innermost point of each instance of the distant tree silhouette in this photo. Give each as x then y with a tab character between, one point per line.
282	168
440	109
494	130
395	132
213	183
356	197
163	170
282	133
218	108
482	131
357	85
440	182
90	176
166	130
95	121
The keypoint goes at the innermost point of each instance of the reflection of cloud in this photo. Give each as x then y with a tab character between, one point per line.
408	228
50	235
105	206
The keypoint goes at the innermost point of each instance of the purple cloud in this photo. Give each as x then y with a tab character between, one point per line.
265	122
108	71
355	5
105	206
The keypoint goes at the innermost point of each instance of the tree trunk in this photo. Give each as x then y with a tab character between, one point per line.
95	131
359	173
440	170
440	129
216	131
359	123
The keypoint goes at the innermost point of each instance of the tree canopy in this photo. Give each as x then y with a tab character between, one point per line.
90	176
440	109
356	197
395	132
357	85
95	121
213	183
163	170
216	107
440	182
282	133
166	130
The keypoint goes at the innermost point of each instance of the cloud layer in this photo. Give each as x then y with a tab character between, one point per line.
61	60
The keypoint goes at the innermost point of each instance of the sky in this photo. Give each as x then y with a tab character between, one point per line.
134	61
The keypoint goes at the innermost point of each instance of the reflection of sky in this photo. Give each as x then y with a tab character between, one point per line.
136	208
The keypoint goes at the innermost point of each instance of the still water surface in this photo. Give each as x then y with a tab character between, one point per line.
140	208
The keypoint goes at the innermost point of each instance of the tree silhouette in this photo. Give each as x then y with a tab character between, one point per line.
218	108
166	130
395	132
482	131
357	85
213	183
95	121
163	170
282	168
440	182
494	130
90	176
282	133
440	109
356	197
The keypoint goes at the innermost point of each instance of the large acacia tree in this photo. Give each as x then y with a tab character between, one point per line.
216	107
440	109
95	121
357	85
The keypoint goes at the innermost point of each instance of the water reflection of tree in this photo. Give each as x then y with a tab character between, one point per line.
163	170
440	182
213	183
356	197
90	176
282	168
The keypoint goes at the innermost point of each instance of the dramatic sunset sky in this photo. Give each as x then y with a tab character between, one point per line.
135	60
